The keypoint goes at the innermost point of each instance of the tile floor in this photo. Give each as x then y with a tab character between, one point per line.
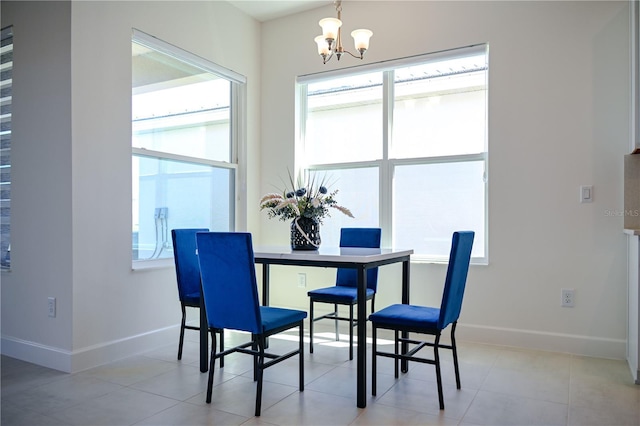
500	386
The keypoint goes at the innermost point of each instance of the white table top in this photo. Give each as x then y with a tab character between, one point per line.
334	254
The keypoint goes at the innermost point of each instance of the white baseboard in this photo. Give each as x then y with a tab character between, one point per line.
47	356
598	347
88	357
93	356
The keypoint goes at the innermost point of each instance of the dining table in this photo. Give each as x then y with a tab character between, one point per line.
360	259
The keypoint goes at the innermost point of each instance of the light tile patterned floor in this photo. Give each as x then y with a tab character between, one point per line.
500	386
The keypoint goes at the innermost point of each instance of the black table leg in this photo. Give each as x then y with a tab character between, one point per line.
362	339
265	284
404	364
265	293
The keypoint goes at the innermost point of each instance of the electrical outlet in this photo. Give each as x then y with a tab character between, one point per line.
302	280
51	306
568	298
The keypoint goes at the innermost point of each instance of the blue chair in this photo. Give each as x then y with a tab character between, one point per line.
230	293
405	318
345	292
188	277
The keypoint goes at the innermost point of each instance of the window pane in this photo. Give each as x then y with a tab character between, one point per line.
179	108
171	194
440	109
344	120
431	201
361	199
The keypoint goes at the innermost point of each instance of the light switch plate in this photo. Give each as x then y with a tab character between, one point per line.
586	193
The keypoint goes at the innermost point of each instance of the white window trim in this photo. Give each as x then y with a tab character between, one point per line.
393	63
170	50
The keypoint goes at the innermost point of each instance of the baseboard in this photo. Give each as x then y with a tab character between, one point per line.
88	357
36	353
93	356
599	347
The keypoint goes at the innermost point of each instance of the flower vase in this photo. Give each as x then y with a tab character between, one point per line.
305	234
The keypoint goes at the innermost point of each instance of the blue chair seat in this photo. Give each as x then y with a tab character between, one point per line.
338	294
276	318
407	316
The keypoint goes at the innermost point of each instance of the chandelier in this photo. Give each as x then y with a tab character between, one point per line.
330	43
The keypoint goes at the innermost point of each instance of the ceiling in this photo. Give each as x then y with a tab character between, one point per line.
265	10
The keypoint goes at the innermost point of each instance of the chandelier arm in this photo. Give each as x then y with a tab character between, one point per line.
327	58
355	56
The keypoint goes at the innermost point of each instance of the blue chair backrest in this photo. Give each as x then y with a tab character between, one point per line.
456	279
359	237
186	260
229	284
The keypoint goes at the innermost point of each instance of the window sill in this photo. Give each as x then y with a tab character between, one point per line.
434	261
145	265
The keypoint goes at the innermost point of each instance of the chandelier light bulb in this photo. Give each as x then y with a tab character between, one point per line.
361	38
323	46
330	28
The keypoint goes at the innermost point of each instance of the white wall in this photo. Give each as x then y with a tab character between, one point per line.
71	213
558	119
41	222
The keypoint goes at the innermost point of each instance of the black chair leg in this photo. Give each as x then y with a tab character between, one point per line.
454	349
182	325
335	313
396	345
256	364
212	364
373	361
221	347
260	365
311	326
438	372
350	332
301	355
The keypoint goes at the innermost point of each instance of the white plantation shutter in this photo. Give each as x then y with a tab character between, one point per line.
6	77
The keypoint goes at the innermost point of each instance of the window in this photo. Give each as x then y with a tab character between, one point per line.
185	119
6	80
406	143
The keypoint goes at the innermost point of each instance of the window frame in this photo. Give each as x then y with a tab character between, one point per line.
237	124
387	165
